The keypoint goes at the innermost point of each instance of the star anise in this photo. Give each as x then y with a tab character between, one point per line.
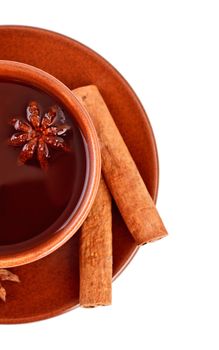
6	275
37	133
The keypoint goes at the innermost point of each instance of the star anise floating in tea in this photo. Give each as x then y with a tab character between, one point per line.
36	134
6	275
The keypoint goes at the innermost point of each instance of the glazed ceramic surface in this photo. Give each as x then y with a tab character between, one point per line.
45	243
50	286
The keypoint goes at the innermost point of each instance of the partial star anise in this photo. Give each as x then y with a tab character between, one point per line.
37	133
6	275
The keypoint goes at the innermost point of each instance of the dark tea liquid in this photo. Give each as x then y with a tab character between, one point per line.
33	201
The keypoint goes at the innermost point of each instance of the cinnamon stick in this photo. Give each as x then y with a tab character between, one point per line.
121	174
96	252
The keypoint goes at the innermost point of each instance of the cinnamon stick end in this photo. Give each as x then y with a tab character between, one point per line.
151	235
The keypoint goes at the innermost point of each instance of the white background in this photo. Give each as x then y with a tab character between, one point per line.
168	297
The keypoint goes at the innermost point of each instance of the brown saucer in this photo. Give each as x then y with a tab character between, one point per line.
50	286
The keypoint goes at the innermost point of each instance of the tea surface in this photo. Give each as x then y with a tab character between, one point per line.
32	200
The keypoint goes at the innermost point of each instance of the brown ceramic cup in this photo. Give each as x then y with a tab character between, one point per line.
42	245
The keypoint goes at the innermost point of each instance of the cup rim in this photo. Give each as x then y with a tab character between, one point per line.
38	247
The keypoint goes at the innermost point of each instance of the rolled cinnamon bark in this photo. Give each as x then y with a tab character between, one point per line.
121	174
96	252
